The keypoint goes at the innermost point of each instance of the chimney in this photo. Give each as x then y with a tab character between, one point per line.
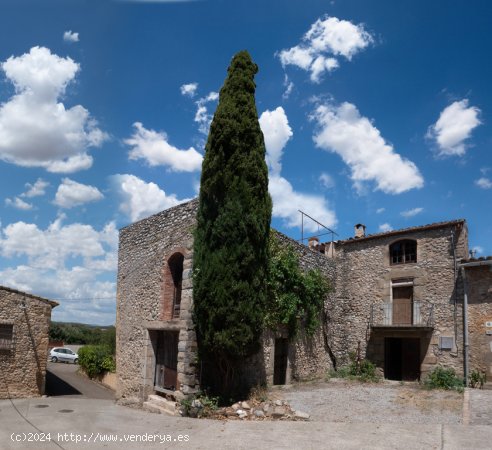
360	230
313	243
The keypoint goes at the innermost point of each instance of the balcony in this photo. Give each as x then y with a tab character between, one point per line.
406	315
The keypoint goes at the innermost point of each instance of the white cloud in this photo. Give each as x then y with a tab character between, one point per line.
154	148
327	37
477	249
35	190
51	248
35	129
411	212
18	203
321	65
70	194
326	180
189	89
289	86
342	130
455	124
380	210
385	227
74	262
202	117
141	199
287	203
484	183
276	132
70	36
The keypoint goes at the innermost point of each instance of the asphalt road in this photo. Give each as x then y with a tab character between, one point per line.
62	379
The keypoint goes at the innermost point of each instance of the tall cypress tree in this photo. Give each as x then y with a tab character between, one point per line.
233	222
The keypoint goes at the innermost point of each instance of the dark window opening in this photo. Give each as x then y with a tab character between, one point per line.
176	269
403	252
6	337
280	361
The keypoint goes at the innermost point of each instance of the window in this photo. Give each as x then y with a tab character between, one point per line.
403	252
6	337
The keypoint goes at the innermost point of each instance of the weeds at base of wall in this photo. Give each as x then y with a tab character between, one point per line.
200	405
477	379
359	370
444	378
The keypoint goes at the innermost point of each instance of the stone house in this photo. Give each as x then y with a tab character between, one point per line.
397	299
24	334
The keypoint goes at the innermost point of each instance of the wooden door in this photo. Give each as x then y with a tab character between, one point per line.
166	364
402	305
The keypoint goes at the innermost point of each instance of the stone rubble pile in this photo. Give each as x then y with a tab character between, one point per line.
258	410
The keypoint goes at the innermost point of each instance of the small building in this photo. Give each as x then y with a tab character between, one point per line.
24	334
398	299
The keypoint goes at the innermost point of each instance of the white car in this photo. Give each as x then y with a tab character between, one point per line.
63	354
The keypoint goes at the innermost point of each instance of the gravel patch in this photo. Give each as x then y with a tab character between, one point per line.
354	402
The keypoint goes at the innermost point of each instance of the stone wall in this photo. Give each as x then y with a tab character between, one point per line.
309	356
144	249
23	367
364	280
479	287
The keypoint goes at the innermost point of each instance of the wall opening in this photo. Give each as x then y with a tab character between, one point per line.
172	286
280	360
402	359
166	360
6	338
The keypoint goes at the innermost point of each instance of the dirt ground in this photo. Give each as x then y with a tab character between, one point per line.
354	402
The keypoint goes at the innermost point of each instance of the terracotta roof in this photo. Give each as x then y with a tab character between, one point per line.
26	294
429	226
473	260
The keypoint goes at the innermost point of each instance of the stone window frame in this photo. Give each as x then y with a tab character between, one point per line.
6	337
169	311
403	242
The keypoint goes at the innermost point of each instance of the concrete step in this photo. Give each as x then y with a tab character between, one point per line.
160	403
154	408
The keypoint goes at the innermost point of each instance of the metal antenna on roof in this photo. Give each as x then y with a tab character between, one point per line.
330	231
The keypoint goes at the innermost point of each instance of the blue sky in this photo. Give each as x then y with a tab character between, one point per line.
374	112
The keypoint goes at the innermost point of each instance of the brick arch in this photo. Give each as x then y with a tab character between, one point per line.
172	284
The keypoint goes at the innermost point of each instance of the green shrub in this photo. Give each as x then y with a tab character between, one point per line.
364	371
199	405
477	379
96	359
444	378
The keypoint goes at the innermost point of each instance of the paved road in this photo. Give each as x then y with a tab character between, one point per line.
85	418
62	379
102	424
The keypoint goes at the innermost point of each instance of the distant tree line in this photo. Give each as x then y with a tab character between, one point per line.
82	334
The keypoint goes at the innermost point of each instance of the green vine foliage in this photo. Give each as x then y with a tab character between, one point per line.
295	297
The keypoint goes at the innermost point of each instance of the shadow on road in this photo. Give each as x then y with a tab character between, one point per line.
56	386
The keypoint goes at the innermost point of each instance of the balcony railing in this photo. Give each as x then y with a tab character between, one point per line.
413	314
